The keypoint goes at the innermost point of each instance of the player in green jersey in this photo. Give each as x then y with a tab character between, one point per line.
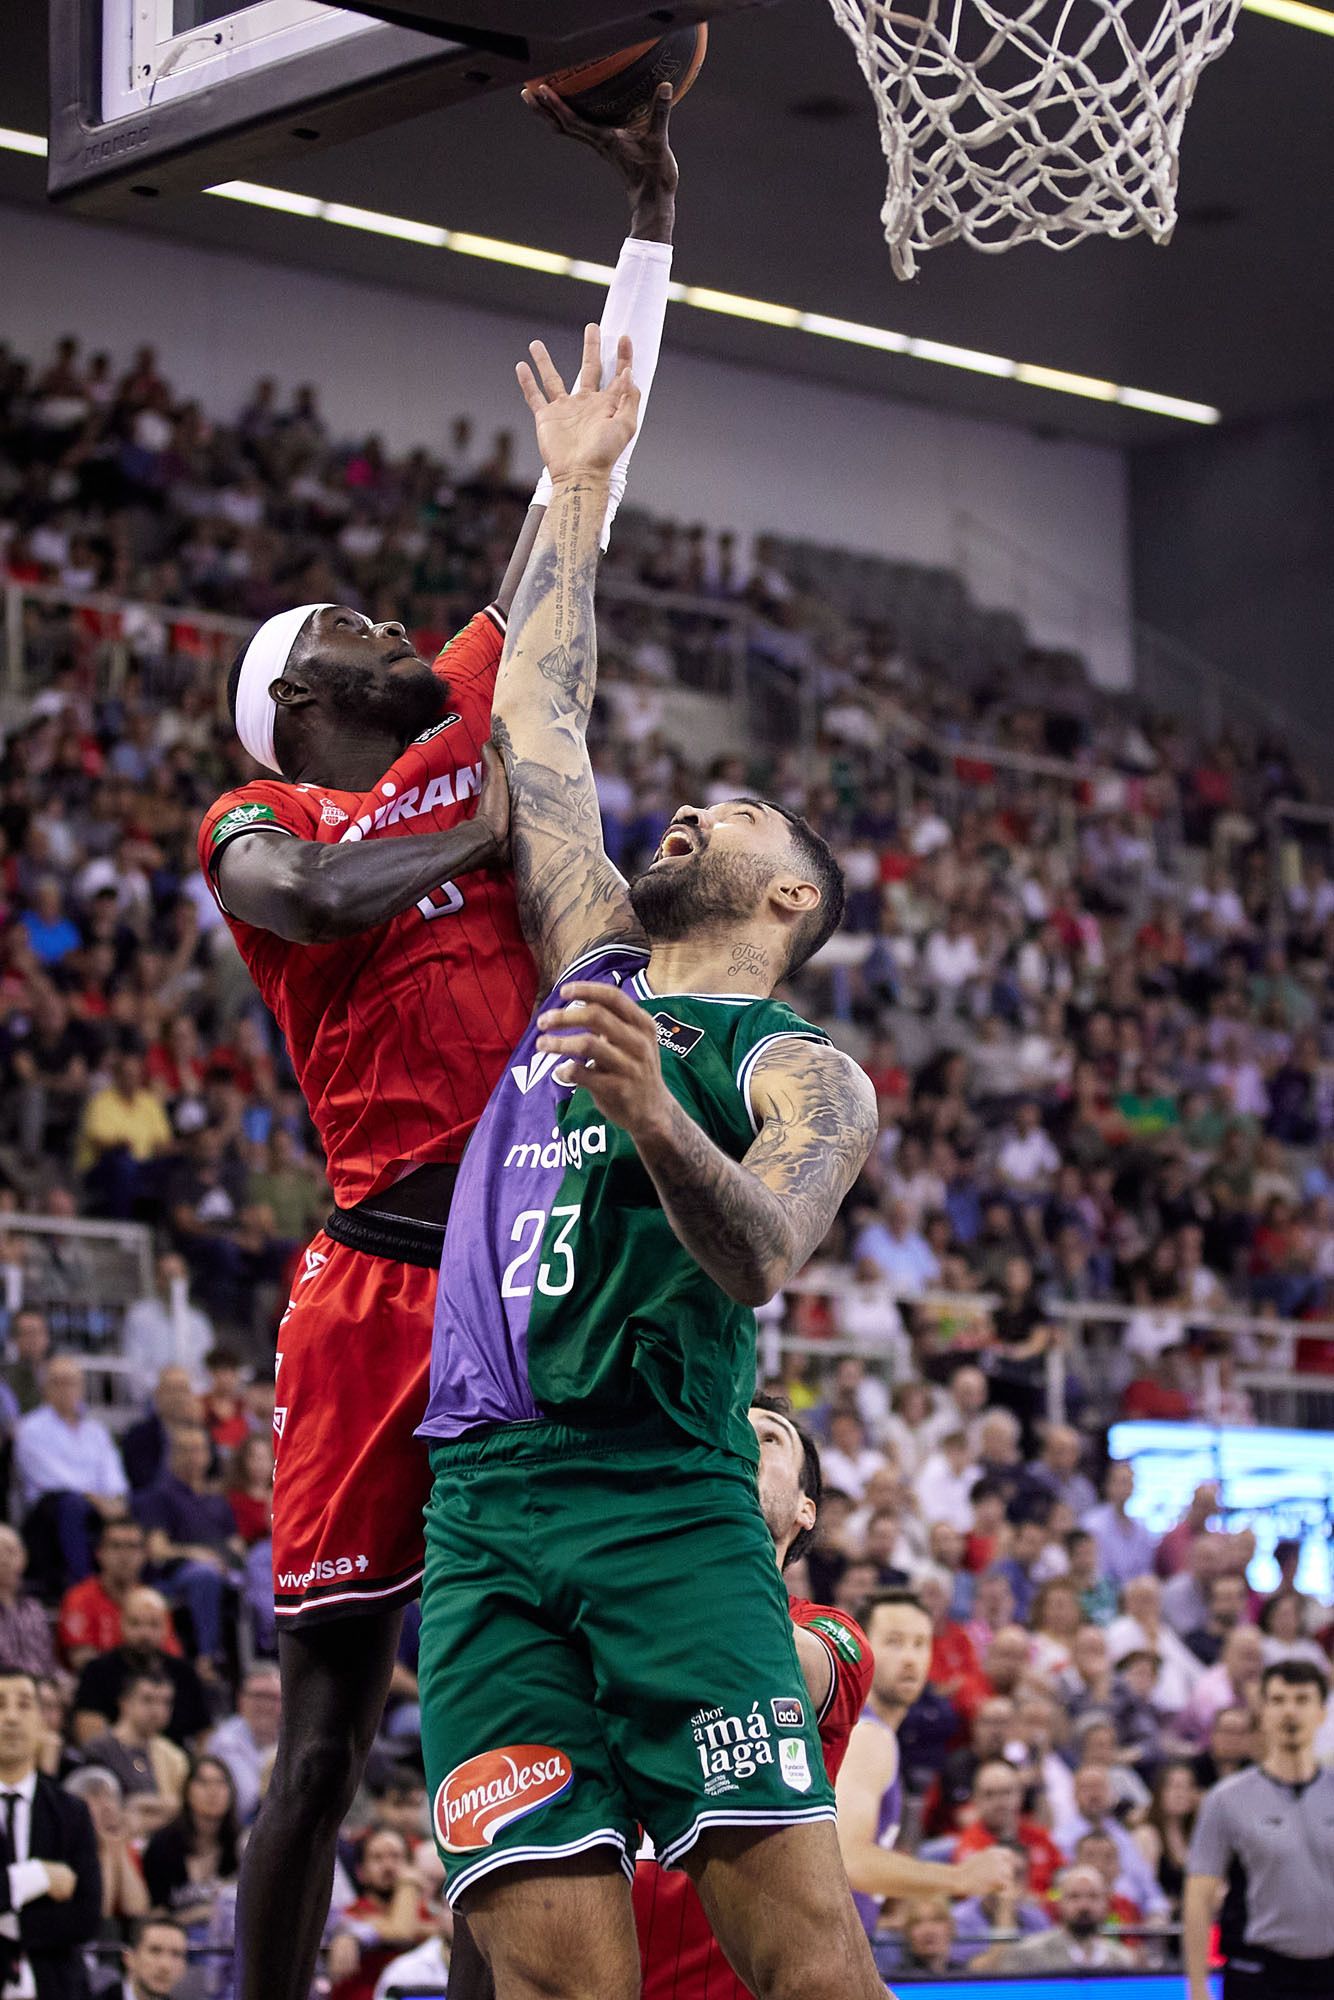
605	1642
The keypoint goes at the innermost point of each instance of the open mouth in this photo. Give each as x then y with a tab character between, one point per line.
677	844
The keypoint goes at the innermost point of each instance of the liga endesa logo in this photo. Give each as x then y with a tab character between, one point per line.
480	1797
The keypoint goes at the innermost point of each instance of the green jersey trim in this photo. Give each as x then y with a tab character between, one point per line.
745	1074
837	1635
234	825
647	992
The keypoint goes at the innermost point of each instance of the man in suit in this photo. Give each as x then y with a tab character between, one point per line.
154	1962
1076	1943
50	1880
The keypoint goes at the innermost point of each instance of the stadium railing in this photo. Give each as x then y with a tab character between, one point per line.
1093	1349
721	649
82	1276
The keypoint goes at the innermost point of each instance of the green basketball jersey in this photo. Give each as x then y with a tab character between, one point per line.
564	1290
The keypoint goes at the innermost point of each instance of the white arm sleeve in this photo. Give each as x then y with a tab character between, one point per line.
637	305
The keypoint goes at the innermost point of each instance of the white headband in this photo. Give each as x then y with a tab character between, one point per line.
265	658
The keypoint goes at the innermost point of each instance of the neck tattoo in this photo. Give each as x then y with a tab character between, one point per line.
748	961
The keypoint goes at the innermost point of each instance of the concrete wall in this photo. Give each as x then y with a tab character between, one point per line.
1233	553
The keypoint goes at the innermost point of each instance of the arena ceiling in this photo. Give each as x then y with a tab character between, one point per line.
781	195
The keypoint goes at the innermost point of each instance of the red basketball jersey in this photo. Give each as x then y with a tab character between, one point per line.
680	1957
398	1033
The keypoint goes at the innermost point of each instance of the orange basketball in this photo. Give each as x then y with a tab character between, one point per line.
619	89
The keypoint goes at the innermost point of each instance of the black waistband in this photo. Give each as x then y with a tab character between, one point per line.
406	1223
1304	1975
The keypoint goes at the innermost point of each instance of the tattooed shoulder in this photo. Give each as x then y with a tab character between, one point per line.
813	1083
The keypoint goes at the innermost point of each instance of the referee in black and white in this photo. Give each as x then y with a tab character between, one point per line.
1266	1839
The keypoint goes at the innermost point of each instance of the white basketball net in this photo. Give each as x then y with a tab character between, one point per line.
1049	122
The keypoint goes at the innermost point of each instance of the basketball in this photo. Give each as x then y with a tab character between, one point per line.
619	89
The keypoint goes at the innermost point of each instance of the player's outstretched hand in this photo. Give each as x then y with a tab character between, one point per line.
612	1051
586	429
641	154
493	804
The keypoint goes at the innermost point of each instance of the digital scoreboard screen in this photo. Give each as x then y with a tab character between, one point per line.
1278	1483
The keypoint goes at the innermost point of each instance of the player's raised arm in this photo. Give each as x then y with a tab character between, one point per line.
569	893
637	297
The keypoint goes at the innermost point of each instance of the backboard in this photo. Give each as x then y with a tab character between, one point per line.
151	98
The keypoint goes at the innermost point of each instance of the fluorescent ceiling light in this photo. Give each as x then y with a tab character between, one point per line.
1167	406
428	233
1061	379
22	142
857	336
1293	14
259	196
950	356
551	262
706	300
703	298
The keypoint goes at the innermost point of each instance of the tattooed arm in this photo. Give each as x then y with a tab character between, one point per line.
750	1223
570	895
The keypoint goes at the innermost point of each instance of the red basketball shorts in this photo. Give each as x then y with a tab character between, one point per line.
350	1480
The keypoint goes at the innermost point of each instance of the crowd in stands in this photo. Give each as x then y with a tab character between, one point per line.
1089	1680
1095	1012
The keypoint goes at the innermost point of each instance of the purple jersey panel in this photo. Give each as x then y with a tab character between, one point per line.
886	1832
507	1187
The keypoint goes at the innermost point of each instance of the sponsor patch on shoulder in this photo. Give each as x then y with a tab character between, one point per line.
839	1638
487	1793
445	722
675	1036
253	814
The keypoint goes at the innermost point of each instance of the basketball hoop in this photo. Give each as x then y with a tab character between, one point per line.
1041	123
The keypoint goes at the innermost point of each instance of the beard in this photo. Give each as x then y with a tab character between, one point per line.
1082	1926
780	1512
401	703
701	894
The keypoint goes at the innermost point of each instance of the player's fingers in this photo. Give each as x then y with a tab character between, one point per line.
547	372
660	116
571	1043
493	767
581	1020
543	102
554	108
571	1075
590	371
605	1006
626	394
532	395
579	1011
624	1030
592	989
591	1051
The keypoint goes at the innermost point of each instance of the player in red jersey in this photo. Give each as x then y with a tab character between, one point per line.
398	974
679	1955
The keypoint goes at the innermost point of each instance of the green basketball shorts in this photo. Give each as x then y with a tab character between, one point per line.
605	1647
